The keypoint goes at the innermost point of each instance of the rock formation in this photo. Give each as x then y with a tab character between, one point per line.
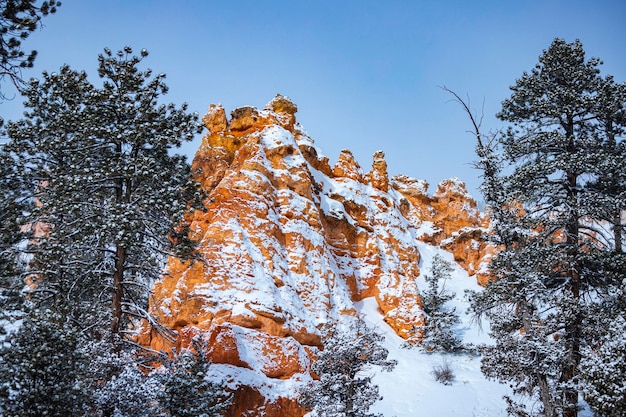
457	224
288	243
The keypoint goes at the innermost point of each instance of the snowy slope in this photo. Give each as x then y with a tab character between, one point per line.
411	390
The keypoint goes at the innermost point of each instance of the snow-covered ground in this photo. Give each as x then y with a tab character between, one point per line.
410	389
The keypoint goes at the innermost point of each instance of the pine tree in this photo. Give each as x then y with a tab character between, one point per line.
18	19
555	266
107	188
607	189
437	333
186	389
41	369
13	202
344	389
603	368
120	387
106	196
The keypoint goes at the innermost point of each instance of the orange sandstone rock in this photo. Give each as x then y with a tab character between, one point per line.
288	244
378	175
348	167
461	228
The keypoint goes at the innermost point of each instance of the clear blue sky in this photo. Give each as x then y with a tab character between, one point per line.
364	74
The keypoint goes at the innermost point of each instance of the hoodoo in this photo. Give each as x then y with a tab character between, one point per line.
288	244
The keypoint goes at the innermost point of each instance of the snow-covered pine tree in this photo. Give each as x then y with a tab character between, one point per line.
437	332
13	202
607	189
552	272
107	187
344	388
120	387
107	196
18	19
186	389
602	370
41	369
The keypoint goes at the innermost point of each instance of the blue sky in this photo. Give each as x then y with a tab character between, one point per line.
364	74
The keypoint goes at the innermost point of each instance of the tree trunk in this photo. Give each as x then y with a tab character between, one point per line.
350	397
545	393
572	343
570	367
122	191
571	312
572	317
546	397
617	231
118	277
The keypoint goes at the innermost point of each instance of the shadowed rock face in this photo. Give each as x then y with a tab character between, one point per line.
287	244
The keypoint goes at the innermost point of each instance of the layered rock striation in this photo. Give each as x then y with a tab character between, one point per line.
288	244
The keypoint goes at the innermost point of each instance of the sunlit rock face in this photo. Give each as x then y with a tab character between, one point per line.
287	244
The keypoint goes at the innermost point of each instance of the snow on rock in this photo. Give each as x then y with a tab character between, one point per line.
288	244
410	390
451	219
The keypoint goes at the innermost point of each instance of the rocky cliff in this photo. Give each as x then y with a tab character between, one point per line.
288	243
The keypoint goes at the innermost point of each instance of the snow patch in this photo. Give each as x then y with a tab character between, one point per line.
410	390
